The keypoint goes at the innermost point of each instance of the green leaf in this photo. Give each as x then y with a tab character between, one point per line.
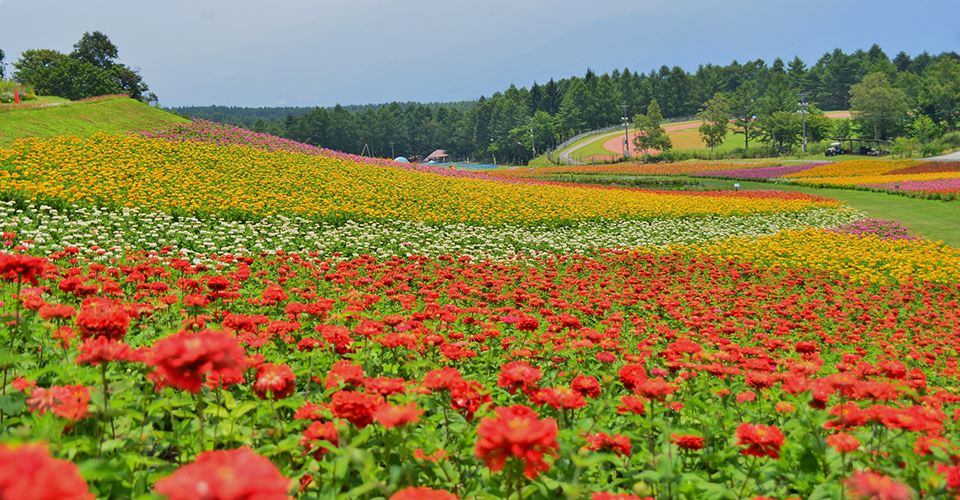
243	408
809	462
13	403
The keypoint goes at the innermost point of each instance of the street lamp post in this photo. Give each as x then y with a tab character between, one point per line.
626	132
803	117
491	152
392	154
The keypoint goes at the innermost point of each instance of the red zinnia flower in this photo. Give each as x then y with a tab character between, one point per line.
843	442
182	359
632	404
654	388
29	472
518	375
319	431
874	486
468	397
587	386
422	494
17	267
277	380
344	371
391	416
102	317
561	398
761	440
355	407
69	401
385	386
630	375
102	350
56	311
687	441
226	475
516	432
442	379
601	441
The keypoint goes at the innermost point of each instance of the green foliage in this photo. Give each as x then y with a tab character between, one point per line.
96	49
33	61
715	115
652	135
744	107
940	92
925	130
75	80
89	71
876	100
781	129
904	147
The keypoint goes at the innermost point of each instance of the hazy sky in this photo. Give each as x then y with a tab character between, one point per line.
321	52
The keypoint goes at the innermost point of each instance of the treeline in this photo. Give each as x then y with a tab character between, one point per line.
247	117
500	126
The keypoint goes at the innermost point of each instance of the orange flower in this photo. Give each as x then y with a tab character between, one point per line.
517	433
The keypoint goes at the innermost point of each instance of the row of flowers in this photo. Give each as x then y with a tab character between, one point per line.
104	233
671	375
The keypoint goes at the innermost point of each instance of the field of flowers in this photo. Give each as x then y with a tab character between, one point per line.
207	313
904	176
242	182
621	169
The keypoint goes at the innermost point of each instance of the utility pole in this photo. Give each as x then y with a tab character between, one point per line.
533	145
803	117
626	132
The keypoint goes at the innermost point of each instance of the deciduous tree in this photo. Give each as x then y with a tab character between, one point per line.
715	117
744	108
875	99
652	135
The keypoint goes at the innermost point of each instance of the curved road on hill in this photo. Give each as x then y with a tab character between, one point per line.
614	143
615	140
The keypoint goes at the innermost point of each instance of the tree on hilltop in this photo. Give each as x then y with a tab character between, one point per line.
96	49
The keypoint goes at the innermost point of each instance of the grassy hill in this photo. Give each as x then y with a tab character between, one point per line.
111	115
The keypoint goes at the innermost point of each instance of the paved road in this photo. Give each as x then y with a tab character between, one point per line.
948	157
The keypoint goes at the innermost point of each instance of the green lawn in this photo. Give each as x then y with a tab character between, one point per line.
934	220
113	115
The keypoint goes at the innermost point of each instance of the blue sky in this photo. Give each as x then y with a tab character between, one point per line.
319	53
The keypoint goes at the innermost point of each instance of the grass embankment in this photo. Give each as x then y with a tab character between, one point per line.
110	115
934	220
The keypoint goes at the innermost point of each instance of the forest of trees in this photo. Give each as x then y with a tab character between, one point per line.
501	124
